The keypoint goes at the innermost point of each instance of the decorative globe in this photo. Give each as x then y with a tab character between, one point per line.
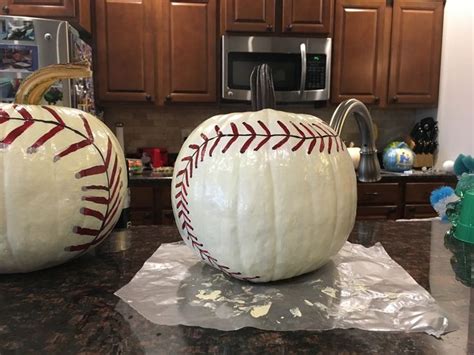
398	158
63	178
264	195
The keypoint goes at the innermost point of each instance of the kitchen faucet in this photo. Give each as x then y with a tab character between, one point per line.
369	168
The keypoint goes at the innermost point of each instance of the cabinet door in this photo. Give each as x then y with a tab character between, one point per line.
307	16
125	50
188	51
249	15
419	211
40	8
378	212
361	50
415	51
378	193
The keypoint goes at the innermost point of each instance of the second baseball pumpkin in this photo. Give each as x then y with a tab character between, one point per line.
264	195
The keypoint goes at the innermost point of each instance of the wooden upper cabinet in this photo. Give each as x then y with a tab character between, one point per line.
40	8
307	16
249	15
187	49
360	50
77	12
387	54
125	50
416	52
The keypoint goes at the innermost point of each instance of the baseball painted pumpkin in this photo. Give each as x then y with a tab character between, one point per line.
62	181
264	195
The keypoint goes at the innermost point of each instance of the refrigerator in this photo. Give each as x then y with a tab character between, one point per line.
27	44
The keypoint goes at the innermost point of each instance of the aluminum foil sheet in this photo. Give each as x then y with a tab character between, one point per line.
360	288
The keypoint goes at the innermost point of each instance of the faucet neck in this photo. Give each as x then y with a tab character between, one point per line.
369	168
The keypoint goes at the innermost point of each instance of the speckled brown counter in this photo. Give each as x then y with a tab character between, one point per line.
72	308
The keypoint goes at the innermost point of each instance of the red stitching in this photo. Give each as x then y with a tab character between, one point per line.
306	133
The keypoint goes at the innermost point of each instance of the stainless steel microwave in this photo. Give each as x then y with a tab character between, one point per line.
300	66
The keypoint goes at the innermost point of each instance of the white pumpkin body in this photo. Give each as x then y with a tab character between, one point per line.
264	195
62	185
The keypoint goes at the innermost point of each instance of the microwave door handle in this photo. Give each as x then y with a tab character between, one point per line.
303	68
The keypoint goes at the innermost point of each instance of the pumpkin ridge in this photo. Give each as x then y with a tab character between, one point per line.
199	153
112	188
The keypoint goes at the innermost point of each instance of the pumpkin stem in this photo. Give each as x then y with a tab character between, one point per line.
261	87
35	86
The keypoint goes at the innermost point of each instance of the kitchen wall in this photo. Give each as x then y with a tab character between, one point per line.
164	127
456	96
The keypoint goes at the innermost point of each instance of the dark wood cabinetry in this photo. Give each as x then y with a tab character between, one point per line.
156	51
187	59
360	49
307	16
125	50
78	12
387	54
249	15
285	16
53	8
150	202
415	52
398	199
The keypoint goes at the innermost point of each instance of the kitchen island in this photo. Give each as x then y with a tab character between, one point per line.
72	308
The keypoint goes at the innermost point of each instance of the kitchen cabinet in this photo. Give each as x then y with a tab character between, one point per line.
285	16
415	52
249	15
402	197
77	12
150	202
125	50
387	54
307	16
187	53
379	200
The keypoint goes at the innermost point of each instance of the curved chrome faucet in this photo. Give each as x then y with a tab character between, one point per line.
369	167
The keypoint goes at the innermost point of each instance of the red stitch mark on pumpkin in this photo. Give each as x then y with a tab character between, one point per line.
249	141
286	136
267	136
4	116
93	213
234	135
95	187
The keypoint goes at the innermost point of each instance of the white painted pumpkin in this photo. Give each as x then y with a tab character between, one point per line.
62	185
264	195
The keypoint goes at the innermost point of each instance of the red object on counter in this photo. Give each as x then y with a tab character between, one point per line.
159	156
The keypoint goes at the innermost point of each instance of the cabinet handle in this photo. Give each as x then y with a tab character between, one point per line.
6	9
269	27
148	97
289	27
376	99
168	98
371	193
395	98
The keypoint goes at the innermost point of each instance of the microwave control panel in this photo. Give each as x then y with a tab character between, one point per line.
315	71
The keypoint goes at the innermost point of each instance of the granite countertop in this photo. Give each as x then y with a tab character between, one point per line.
72	308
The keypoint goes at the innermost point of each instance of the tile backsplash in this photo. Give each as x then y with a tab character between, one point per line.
166	127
